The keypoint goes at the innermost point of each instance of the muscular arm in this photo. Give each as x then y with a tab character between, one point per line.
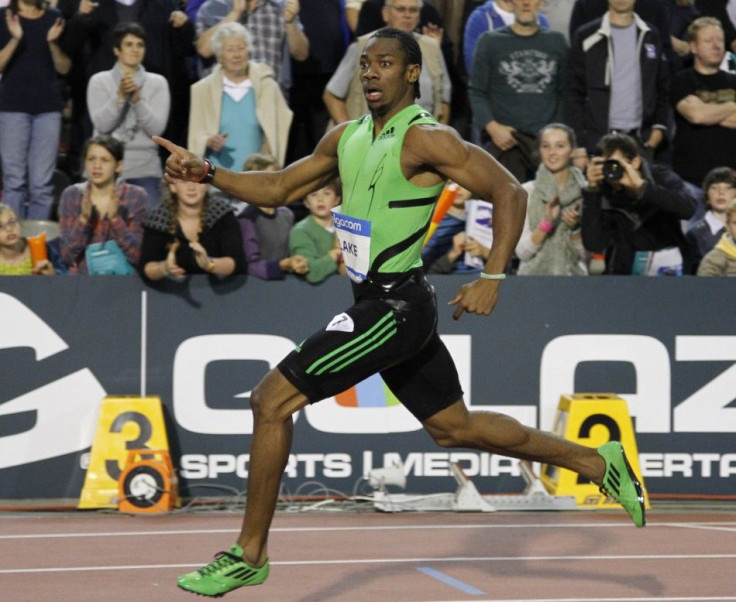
431	150
266	189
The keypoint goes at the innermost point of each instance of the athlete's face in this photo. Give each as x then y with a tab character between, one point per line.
386	80
100	165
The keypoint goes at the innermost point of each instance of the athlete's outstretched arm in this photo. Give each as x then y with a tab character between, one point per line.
441	149
264	188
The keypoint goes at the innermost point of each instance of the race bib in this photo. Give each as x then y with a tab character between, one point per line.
355	242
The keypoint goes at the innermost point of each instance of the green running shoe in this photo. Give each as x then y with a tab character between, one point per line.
224	574
621	483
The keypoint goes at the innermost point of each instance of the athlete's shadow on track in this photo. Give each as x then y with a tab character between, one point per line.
588	543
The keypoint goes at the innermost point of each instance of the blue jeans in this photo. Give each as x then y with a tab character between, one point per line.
29	146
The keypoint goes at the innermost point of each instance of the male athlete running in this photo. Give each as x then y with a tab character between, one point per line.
393	164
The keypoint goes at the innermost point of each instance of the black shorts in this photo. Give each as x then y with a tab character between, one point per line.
391	330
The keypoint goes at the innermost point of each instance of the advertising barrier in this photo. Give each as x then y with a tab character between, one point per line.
667	346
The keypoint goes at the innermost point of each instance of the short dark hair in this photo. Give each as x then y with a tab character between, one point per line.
112	145
126	28
717	175
336	185
610	143
409	46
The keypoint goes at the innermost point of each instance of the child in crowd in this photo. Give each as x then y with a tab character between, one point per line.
719	189
266	230
721	260
102	211
314	237
15	250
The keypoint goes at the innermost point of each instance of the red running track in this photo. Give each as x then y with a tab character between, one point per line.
574	556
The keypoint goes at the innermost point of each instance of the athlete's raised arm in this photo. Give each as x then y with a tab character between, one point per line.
267	189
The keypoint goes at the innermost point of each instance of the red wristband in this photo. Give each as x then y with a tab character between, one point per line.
209	171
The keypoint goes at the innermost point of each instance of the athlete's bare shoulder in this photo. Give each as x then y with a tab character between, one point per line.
434	145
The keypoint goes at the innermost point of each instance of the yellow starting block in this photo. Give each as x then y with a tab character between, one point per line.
125	424
590	419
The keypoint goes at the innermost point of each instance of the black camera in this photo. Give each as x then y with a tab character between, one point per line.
613	171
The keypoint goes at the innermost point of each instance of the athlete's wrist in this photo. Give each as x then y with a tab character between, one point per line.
486	276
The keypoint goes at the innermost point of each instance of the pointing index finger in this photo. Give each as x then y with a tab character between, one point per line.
168	145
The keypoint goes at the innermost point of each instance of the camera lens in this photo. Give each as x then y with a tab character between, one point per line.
612	170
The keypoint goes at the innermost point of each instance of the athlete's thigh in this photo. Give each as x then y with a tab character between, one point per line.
361	341
426	382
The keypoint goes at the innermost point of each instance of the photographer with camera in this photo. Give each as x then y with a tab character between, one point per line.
632	211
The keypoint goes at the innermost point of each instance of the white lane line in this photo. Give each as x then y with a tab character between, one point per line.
706	526
362	561
357	528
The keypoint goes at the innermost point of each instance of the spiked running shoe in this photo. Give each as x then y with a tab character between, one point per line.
621	483
224	574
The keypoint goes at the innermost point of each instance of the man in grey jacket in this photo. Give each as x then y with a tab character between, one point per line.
132	105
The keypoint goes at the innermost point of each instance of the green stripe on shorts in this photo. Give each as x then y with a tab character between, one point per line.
355	346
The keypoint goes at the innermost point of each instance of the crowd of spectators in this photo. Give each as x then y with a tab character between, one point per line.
618	116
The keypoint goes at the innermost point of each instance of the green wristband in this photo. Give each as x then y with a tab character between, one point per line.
485	276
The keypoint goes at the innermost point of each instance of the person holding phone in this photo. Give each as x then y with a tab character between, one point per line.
632	211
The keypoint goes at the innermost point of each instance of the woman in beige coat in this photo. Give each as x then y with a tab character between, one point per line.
238	109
